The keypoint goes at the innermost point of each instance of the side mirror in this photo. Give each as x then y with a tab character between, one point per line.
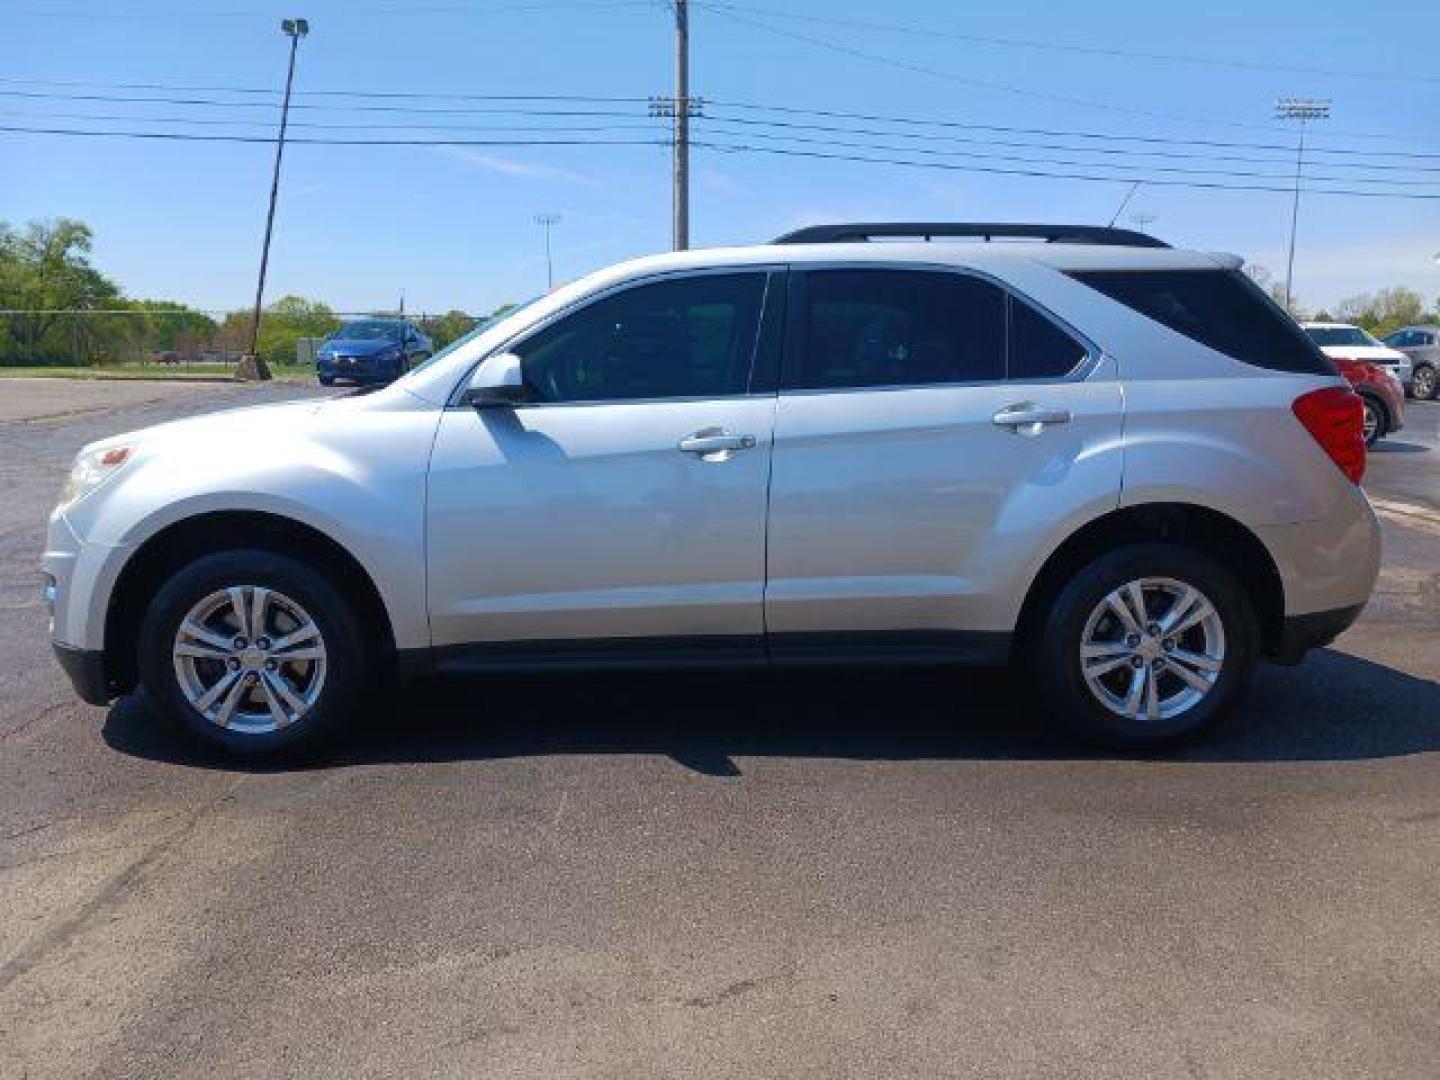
497	383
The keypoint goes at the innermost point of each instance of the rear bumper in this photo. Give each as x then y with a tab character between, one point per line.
1301	633
86	670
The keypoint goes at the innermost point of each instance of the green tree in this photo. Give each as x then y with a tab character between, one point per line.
45	269
174	326
444	329
282	325
1383	311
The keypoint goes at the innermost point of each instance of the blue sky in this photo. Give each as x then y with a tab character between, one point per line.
453	226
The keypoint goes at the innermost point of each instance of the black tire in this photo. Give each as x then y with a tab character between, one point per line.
349	667
1375	420
1052	658
1418	388
326	380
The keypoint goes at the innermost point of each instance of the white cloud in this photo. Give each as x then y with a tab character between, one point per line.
508	166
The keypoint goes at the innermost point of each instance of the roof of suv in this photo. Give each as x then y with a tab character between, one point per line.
959	252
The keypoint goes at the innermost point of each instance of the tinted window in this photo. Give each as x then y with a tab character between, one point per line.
1038	348
1399	339
898	327
690	337
1219	308
369	330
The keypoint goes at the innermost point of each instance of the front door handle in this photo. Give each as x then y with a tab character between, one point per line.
1028	418
715	444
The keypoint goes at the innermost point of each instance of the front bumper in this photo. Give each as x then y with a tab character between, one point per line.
357	367
86	670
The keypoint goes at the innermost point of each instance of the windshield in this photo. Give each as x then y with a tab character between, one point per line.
474	332
1339	335
369	330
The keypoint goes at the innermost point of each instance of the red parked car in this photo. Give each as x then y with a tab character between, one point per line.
1382	394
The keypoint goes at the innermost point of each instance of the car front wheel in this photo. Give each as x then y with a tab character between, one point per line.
253	652
1146	646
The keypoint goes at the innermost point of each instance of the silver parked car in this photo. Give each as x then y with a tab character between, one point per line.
1114	464
1421	345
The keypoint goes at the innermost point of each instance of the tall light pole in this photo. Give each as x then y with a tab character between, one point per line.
1304	110
545	221
253	365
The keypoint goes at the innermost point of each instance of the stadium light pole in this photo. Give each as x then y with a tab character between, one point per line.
253	365
545	221
1302	110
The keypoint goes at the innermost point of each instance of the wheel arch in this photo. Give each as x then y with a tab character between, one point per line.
1196	527
169	549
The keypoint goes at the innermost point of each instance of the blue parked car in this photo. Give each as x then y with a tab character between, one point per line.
372	351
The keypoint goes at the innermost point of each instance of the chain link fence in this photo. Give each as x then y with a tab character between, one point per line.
188	339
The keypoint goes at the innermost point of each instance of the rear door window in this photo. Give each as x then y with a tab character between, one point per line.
1039	349
1219	308
862	328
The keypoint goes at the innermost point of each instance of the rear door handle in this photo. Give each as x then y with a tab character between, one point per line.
1029	418
715	444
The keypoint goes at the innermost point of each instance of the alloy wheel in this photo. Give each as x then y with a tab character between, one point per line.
249	659
1424	385
1152	649
1372	423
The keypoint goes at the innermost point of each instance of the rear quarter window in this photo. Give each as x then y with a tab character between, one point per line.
1219	308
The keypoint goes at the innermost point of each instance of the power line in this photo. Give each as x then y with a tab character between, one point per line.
1055	46
791	110
179	136
985	84
1111	150
1127	158
1051	175
208	121
1068	162
726	147
725	126
376	94
630	100
404	109
430	9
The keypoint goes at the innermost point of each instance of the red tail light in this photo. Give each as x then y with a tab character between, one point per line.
1335	418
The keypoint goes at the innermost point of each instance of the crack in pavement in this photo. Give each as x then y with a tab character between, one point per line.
31	955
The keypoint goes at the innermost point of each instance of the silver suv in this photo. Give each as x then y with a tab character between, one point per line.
1114	464
1421	345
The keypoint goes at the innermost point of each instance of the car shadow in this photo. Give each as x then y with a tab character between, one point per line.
1334	707
1390	446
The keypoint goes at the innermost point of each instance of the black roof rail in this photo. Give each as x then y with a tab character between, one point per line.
975	230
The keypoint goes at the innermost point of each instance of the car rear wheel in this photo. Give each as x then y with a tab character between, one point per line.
326	380
254	653
1146	646
1374	421
1424	383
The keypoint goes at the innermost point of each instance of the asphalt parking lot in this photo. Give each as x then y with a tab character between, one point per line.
822	875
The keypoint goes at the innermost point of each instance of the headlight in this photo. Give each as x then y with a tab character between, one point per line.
92	468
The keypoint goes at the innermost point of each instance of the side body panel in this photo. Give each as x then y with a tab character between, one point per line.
353	469
564	522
